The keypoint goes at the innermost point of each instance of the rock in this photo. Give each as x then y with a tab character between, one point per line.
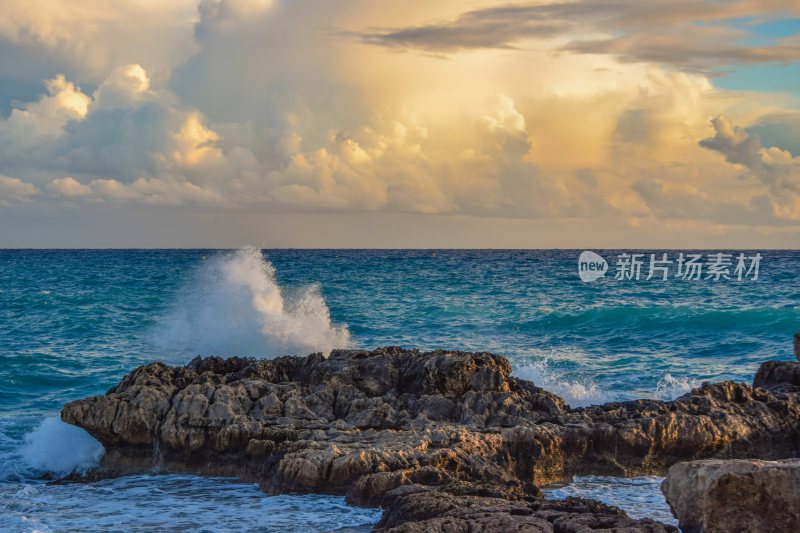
778	375
466	508
735	495
797	346
363	424
720	420
357	423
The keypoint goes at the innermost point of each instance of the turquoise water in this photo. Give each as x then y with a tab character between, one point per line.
72	323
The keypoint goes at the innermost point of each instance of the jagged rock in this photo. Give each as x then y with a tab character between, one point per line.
720	420
778	375
358	422
735	495
465	508
364	423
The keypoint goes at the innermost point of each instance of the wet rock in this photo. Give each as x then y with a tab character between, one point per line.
357	423
736	495
778	375
363	424
719	420
797	346
466	508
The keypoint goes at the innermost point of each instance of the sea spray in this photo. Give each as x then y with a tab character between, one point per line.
577	393
60	448
233	305
582	392
669	387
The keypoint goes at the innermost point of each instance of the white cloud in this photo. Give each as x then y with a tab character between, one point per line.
15	190
124	87
89	38
47	116
69	187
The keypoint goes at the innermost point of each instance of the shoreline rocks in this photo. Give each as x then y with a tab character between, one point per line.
365	423
421	509
735	495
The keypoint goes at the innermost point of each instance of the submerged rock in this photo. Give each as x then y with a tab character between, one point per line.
735	495
363	423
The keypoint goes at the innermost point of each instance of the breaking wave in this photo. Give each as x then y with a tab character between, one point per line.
57	447
234	306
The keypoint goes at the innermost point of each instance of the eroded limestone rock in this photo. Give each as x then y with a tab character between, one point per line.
736	495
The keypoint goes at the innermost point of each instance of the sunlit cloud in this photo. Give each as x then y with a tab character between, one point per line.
546	112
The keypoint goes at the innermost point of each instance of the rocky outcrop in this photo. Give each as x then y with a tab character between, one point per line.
466	508
783	375
364	423
356	423
736	495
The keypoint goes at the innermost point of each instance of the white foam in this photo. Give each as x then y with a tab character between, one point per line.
234	306
149	502
669	387
57	447
575	393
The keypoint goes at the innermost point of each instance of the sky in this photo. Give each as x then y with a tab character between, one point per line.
413	123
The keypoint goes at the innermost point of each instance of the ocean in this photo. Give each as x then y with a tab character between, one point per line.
73	322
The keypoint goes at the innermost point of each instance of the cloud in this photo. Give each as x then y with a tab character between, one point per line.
778	169
47	116
736	145
142	190
553	112
15	190
130	142
495	27
691	35
779	129
88	38
696	48
69	187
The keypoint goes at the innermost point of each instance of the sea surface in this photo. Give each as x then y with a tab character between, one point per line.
72	323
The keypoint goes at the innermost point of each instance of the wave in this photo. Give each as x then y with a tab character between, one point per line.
234	306
669	387
60	448
577	393
582	392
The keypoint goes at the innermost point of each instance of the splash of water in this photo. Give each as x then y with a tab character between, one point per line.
669	387
576	393
57	447
234	306
585	392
